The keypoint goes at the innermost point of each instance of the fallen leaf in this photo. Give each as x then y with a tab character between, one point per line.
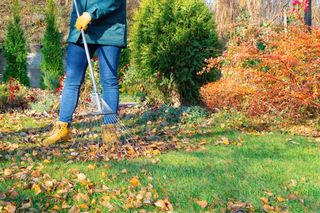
292	197
293	183
165	205
2	196
103	175
225	141
280	199
46	161
10	208
34	153
83	206
267	208
105	198
81	178
81	197
265	200
26	205
48	184
155	161
269	193
74	209
13	194
36	188
65	206
124	171
7	172
135	181
156	152
36	173
234	207
131	151
161	204
91	166
202	203
56	207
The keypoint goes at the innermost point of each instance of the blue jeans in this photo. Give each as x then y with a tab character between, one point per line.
77	64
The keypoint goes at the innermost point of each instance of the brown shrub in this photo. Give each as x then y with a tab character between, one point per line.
274	72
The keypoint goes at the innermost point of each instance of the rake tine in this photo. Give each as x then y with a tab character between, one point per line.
131	139
119	125
125	129
108	145
102	147
99	146
94	130
111	119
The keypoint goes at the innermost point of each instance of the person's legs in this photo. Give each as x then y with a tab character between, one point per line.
108	64
75	73
76	67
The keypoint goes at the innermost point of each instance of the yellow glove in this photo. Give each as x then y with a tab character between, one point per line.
83	21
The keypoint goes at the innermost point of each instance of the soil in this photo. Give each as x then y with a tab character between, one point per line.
33	18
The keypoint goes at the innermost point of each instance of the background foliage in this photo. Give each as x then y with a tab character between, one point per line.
169	41
13	95
52	53
269	72
15	49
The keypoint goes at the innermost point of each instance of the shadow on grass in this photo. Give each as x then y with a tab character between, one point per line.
37	130
214	135
29	148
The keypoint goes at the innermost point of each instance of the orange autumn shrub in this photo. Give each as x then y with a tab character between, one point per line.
220	94
268	72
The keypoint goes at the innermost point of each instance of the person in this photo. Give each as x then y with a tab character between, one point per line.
104	22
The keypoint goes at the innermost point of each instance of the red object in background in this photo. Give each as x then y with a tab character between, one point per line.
61	80
300	3
122	72
13	89
95	58
32	98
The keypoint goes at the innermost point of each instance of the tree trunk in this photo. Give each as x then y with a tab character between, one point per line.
1	64
308	14
175	97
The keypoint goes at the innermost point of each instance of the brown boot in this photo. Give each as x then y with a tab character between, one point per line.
59	133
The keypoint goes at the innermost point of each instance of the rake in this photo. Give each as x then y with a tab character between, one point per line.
89	124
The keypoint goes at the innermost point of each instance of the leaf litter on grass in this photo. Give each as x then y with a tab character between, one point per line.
153	139
26	159
85	195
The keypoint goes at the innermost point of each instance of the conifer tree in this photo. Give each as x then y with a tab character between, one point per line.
15	49
52	55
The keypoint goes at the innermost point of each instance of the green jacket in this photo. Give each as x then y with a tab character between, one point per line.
108	25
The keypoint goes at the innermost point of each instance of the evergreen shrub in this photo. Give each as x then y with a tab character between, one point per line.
15	49
169	41
52	53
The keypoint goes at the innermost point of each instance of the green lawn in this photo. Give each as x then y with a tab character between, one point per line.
281	168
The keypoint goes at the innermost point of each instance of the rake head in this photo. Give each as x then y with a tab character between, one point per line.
88	131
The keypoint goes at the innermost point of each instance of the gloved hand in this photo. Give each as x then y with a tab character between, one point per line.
83	21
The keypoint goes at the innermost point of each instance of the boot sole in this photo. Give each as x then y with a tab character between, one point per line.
63	139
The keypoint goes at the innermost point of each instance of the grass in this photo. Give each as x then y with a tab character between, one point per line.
276	163
125	98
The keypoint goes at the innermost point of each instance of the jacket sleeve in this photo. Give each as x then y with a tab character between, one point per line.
103	7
